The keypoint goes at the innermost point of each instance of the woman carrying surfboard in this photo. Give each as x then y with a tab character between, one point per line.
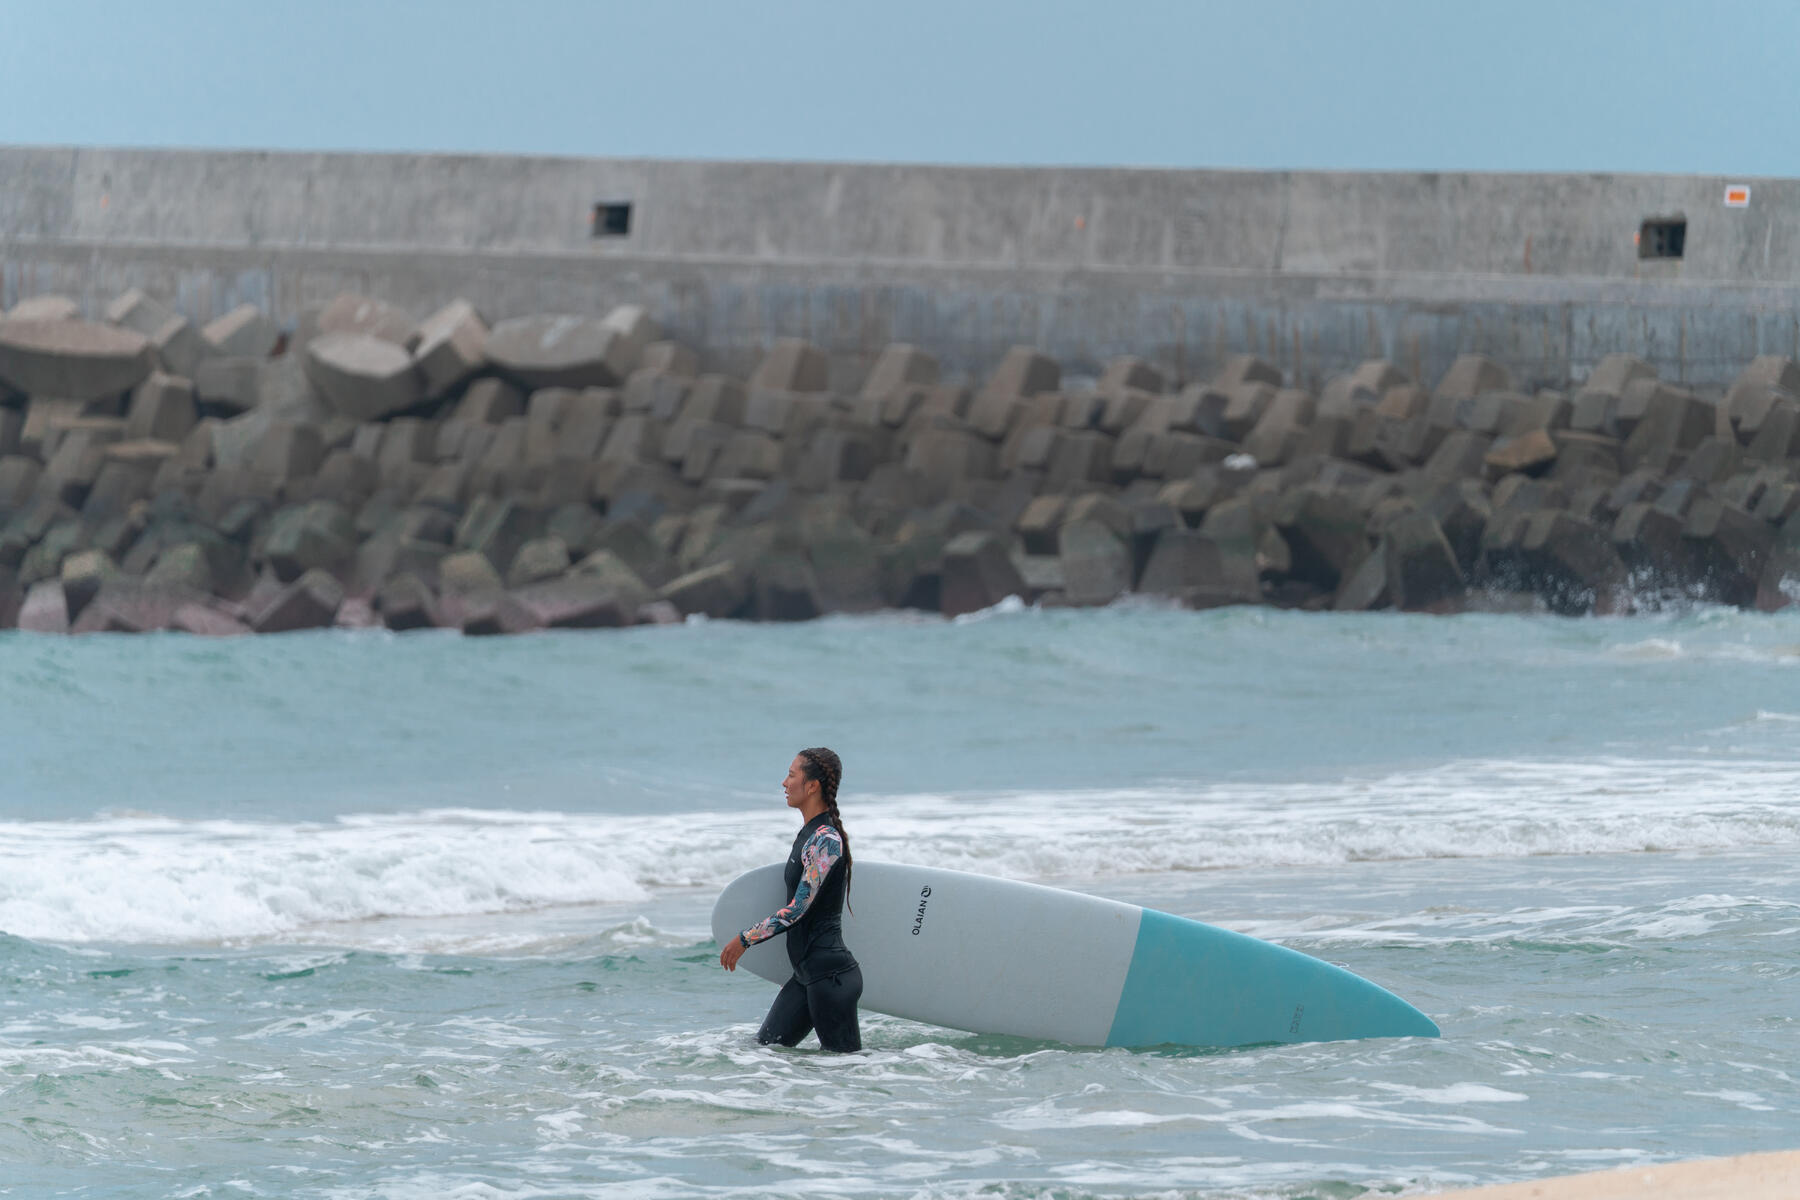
827	982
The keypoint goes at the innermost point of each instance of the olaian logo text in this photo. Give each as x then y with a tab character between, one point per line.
919	918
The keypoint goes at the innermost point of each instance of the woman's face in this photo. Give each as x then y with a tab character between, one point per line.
797	785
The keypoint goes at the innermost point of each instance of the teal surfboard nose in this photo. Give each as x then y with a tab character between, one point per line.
1198	985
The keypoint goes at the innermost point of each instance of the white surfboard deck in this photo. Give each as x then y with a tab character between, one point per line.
997	956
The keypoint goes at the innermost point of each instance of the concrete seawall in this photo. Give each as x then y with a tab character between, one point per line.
1312	271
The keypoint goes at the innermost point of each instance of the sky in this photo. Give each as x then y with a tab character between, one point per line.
1543	85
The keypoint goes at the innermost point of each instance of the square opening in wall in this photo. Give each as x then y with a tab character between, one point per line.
1662	237
612	218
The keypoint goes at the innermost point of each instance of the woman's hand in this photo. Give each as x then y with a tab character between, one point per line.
734	950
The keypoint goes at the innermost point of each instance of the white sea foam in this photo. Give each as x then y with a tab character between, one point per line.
154	880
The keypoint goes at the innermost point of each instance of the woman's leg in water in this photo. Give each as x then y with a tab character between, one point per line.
788	1020
832	1005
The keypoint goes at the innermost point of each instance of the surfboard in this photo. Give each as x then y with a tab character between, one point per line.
997	956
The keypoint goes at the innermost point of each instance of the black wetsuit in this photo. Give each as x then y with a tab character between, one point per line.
827	982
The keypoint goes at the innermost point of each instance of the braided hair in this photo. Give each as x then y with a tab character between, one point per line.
827	769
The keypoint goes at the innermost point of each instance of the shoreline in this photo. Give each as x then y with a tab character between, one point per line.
568	471
1773	1175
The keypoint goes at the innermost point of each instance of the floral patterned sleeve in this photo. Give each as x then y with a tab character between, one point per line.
821	852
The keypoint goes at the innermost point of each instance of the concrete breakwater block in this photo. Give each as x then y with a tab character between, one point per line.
45	308
362	376
578	472
178	345
560	350
75	359
350	313
448	346
243	332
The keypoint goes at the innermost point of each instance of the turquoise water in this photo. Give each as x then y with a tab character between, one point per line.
352	915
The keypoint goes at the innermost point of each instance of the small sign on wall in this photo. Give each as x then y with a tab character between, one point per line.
1737	195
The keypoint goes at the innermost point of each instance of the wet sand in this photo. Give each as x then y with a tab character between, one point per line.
1773	1176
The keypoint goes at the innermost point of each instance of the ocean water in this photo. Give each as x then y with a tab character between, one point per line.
349	915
